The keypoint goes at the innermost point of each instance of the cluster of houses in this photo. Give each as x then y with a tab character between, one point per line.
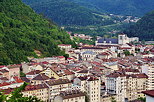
100	73
81	36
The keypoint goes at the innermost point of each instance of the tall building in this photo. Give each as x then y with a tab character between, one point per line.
116	84
151	76
90	85
127	87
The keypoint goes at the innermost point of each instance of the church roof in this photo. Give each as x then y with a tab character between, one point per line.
113	41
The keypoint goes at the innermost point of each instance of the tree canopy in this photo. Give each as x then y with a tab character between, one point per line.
22	31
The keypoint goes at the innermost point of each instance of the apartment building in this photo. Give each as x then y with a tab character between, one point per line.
40	91
151	76
56	86
70	96
116	84
127	87
90	85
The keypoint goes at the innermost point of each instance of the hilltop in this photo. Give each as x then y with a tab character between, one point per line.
119	7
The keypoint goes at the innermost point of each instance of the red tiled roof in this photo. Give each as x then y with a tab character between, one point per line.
14	66
4	78
4	70
83	71
67	72
7	91
60	56
89	78
71	94
142	75
17	79
149	93
116	74
41	77
2	66
123	48
64	45
35	87
104	53
58	82
33	72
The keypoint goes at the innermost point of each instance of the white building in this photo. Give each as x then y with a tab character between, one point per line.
116	84
88	55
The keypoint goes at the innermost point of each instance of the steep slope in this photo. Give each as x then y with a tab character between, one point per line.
22	31
144	28
67	13
121	7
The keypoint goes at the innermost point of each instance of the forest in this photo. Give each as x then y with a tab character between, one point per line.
22	31
143	28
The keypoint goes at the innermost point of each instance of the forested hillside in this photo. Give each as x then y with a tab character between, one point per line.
22	31
120	7
68	13
144	28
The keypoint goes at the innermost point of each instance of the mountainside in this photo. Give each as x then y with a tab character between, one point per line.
144	28
120	7
67	13
22	32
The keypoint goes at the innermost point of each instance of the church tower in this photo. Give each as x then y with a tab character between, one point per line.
123	39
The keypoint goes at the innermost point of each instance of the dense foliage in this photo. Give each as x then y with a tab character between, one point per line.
22	31
17	96
122	7
64	12
143	28
79	16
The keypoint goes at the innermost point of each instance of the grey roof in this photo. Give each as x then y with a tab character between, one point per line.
113	41
89	52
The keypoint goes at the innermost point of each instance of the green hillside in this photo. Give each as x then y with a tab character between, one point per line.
144	28
22	31
68	13
120	7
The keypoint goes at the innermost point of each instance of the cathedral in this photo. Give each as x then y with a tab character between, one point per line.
122	39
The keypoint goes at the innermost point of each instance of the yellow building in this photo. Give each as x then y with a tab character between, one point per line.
40	91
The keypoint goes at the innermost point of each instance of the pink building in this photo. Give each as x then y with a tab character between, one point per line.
14	70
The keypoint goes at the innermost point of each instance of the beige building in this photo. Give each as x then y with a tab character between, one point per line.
65	47
56	86
150	76
131	89
70	96
40	91
90	85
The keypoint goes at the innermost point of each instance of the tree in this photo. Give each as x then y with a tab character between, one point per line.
113	99
142	99
17	96
127	53
86	97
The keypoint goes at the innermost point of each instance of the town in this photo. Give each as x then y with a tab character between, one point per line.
113	70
